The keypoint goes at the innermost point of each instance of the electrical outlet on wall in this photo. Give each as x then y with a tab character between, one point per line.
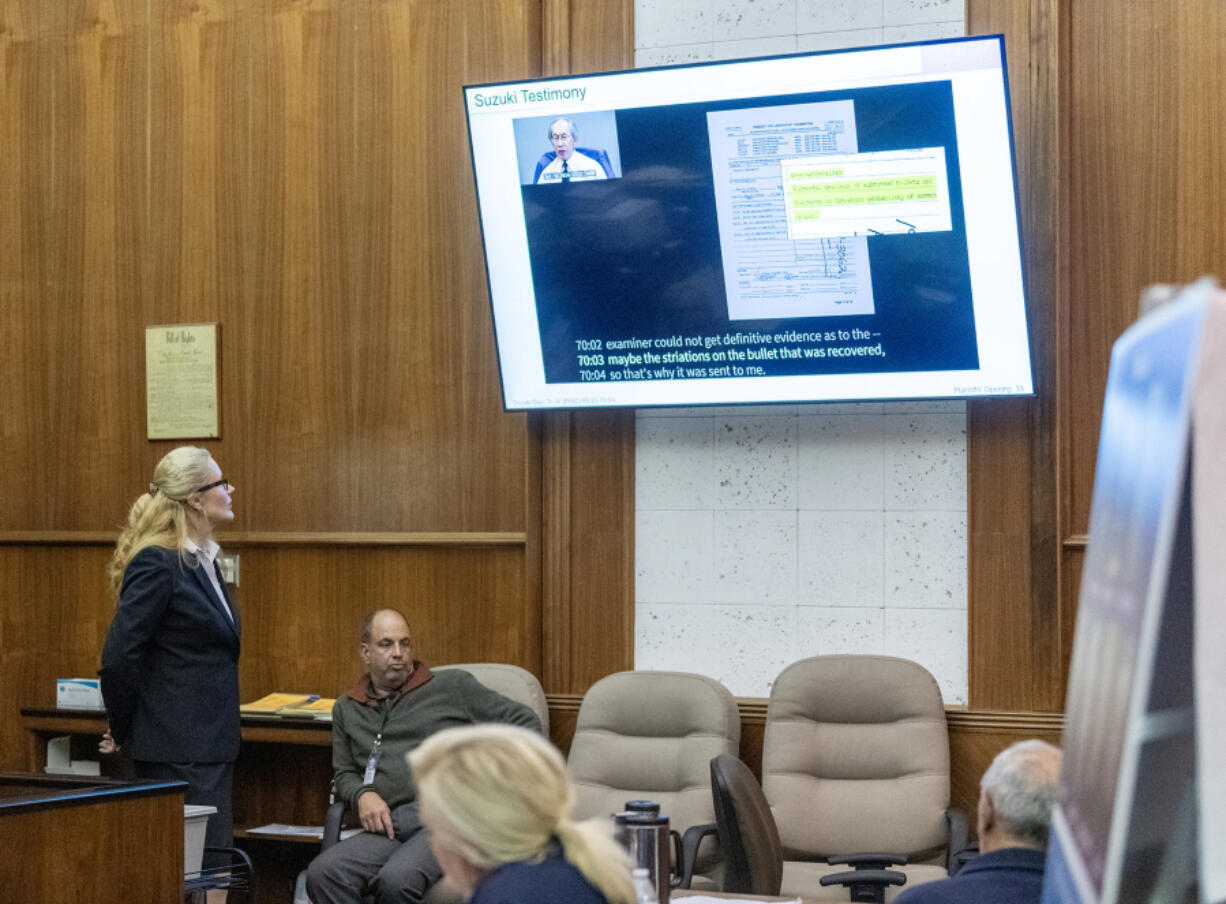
229	568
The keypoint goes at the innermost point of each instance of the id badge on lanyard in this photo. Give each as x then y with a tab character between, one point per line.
372	761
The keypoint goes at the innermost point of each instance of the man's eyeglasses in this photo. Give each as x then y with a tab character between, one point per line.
216	483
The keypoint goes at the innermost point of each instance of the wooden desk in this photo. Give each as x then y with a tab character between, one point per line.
283	772
67	838
283	775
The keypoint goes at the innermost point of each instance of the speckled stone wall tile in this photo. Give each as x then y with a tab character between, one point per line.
908	12
755	462
742	19
755	47
674	466
925	461
755	557
723	411
824	409
675	639
841	559
820	632
839	15
841	462
674	557
925	560
662	23
698	411
936	639
753	645
743	648
925	31
948	406
837	40
673	55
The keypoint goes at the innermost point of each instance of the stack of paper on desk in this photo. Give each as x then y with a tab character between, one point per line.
319	708
302	831
301	706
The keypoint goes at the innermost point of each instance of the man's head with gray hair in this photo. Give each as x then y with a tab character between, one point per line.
562	135
1016	796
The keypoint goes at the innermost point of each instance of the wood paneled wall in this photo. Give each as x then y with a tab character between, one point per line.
1146	182
1121	156
298	172
1014	607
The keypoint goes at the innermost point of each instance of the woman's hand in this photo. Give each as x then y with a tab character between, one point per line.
107	744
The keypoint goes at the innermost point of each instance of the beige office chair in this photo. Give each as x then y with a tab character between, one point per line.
512	682
651	735
856	759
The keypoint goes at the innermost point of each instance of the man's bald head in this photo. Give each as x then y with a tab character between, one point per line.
368	623
1017	794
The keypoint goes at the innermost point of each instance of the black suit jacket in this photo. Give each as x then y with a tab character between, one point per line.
170	664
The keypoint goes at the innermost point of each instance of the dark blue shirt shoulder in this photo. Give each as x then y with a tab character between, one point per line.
1006	876
552	880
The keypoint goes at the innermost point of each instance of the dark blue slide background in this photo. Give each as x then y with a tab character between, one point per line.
640	257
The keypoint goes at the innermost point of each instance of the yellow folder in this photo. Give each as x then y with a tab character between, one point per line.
270	703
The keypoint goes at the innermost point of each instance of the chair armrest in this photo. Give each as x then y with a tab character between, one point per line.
332	824
865	884
689	853
959	838
871	860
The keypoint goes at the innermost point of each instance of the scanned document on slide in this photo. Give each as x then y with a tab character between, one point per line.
767	272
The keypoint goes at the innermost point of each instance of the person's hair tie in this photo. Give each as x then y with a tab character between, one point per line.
153	489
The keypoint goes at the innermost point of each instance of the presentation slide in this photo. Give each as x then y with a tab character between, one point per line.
661	237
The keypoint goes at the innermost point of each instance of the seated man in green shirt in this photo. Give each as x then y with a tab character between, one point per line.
395	706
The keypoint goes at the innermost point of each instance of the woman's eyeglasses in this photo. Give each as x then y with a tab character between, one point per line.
216	483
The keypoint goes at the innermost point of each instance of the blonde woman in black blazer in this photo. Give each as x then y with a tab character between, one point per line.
170	662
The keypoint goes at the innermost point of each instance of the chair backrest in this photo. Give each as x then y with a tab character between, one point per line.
856	758
600	155
753	855
652	735
511	681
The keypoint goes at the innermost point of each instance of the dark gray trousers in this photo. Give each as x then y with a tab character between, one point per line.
396	870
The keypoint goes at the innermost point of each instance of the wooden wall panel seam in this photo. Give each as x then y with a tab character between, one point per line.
555	37
556	532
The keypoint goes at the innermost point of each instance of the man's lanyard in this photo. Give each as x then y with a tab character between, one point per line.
372	761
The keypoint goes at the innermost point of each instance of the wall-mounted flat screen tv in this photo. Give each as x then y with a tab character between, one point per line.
828	226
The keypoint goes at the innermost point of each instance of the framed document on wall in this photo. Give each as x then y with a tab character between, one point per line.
181	381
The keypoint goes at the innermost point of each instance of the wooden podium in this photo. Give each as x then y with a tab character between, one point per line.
89	839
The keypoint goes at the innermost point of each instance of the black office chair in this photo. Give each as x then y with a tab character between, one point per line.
232	872
753	856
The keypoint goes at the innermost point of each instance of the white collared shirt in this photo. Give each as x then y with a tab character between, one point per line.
208	555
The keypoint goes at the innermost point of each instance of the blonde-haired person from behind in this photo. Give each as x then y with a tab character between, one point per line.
497	802
170	661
